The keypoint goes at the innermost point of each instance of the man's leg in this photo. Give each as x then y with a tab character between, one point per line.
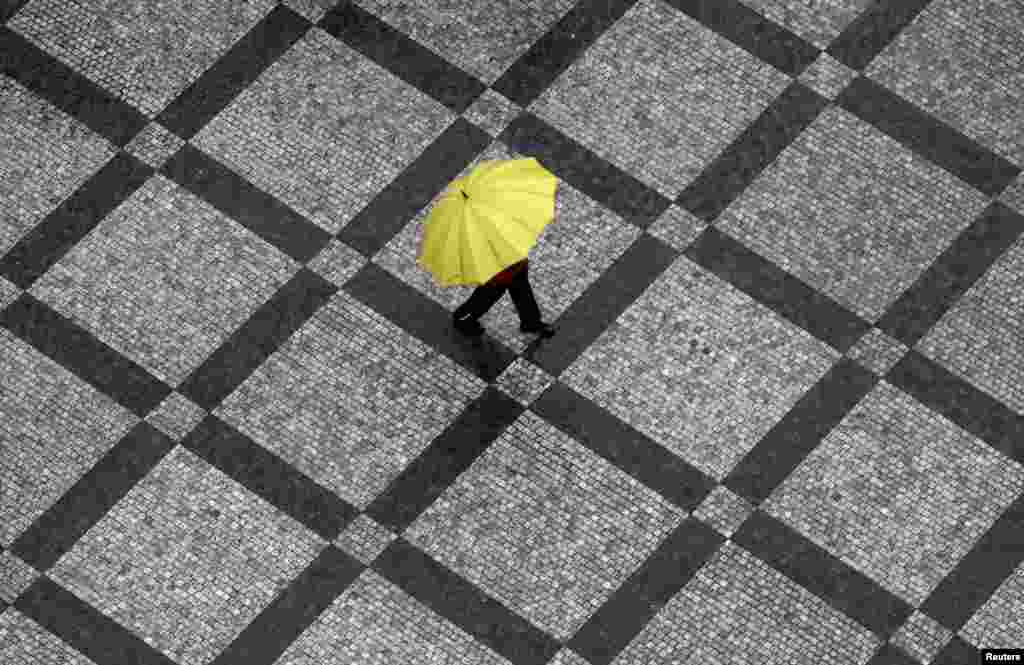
481	300
526	305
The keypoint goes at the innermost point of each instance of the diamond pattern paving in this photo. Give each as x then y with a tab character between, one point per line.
780	423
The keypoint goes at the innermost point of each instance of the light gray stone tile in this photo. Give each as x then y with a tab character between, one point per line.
154	145
963	62
46	156
568	657
523	381
898	492
660	96
54	428
827	76
544	526
492	112
1013	195
324	129
313	10
144	51
700	367
15	576
482	38
852	212
350	399
376	623
25	642
999	624
724	510
677	227
165	278
877	351
187	559
176	416
738	609
571	253
365	539
981	338
8	293
337	262
921	637
817	21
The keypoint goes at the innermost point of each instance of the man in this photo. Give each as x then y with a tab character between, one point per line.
515	280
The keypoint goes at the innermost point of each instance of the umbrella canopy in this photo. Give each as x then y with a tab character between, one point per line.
487	221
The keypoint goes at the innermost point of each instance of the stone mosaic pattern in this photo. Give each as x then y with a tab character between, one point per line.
337	262
376	623
852	213
25	642
350	400
1000	622
963	62
324	129
723	510
145	52
982	337
877	351
660	96
544	525
739	610
1013	195
154	145
492	112
677	227
176	416
55	428
8	293
187	559
898	492
827	76
921	637
47	155
817	21
15	576
165	279
524	381
364	539
700	367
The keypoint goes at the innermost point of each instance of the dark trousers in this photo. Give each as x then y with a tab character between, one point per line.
484	297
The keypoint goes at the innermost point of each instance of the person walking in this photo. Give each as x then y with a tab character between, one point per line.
480	233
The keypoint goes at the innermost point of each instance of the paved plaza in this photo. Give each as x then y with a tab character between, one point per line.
781	422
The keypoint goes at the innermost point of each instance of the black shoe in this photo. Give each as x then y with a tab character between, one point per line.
541	328
468	326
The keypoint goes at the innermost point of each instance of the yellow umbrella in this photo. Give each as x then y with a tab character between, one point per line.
487	221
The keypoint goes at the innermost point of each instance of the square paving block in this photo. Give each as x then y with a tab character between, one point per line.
145	51
724	510
852	213
571	254
963	62
700	367
312	10
46	156
677	227
737	609
15	576
921	637
877	351
898	492
375	623
524	381
25	642
483	38
187	559
544	526
165	279
999	624
154	145
324	129
817	21
176	416
364	539
337	262
827	76
54	428
1013	195
492	112
350	399
981	338
660	96
8	292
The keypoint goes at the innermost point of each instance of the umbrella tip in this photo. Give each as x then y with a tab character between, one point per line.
465	195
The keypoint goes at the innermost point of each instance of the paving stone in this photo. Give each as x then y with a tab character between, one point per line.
963	62
55	428
46	156
660	96
921	637
739	610
25	642
827	76
524	381
8	293
365	539
484	39
176	416
492	112
700	367
571	253
337	262
165	278
544	525
852	212
981	338
1013	195
154	145
677	227
877	351
15	576
999	624
144	51
375	623
568	657
187	559
724	510
313	10
898	492
350	399
817	21
324	129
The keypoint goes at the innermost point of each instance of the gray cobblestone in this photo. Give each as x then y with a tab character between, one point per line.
524	381
176	416
724	510
877	351
492	112
827	76
337	262
999	624
15	576
921	637
365	539
818	21
154	145
677	227
25	642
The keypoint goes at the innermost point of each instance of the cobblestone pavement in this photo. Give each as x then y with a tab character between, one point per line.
782	422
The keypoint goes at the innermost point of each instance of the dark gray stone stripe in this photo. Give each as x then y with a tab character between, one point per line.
77	349
233	72
268	476
58	529
629	450
71	92
462	603
957	652
890	655
402	56
873	30
752	32
960	155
